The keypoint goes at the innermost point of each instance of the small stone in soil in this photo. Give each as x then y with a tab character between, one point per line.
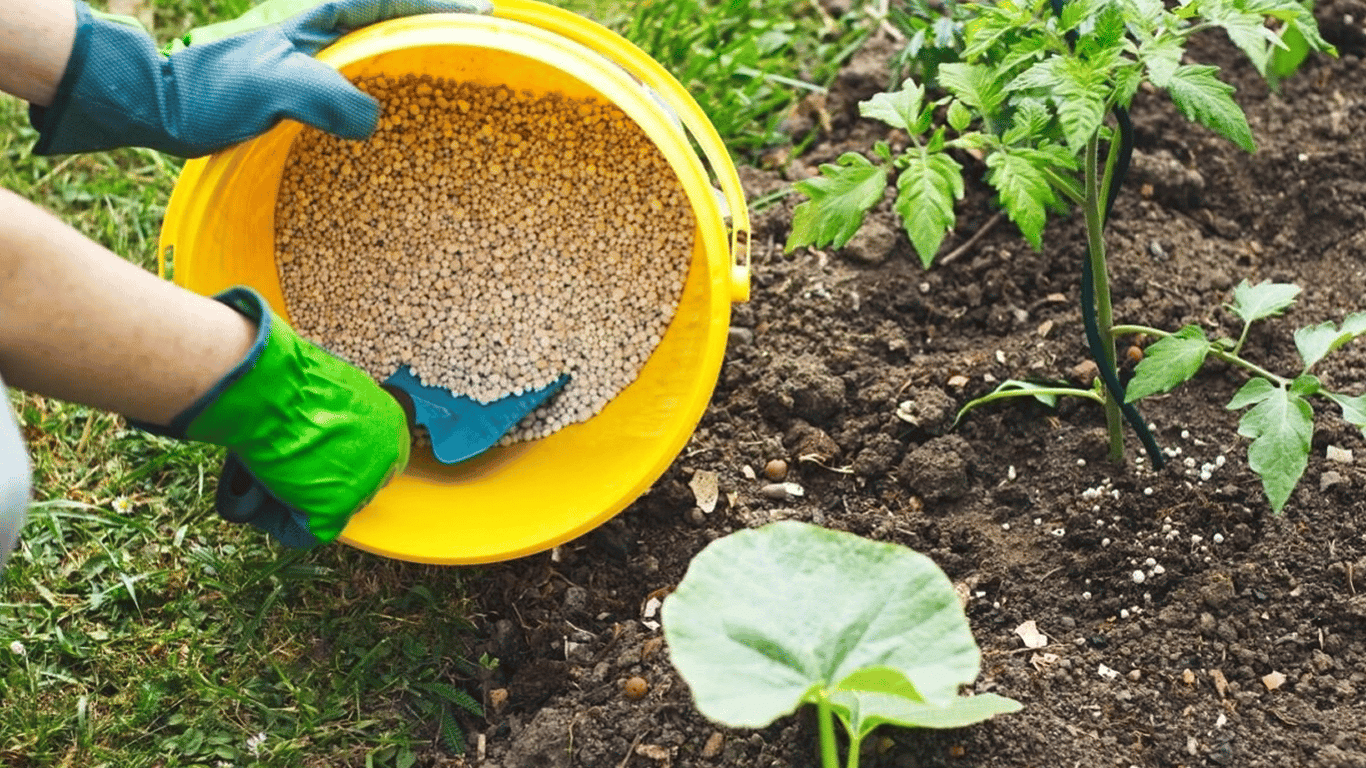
650	648
713	746
635	688
775	470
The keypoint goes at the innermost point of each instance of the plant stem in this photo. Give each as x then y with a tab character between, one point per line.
1095	239
1230	357
830	757
1242	338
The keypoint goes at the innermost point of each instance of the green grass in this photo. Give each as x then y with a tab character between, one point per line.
746	63
137	629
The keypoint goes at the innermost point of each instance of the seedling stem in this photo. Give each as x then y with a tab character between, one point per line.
1095	240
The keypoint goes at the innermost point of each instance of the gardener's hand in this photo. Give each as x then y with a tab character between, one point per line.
118	90
312	437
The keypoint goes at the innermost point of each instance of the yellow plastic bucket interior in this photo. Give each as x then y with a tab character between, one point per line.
525	498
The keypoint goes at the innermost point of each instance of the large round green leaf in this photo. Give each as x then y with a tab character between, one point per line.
769	618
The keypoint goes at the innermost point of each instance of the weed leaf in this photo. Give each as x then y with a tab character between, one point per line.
899	109
451	732
752	630
1203	98
1263	300
926	191
1280	426
457	697
840	197
1169	362
1353	409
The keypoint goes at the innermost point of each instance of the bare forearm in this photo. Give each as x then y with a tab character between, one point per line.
81	324
35	42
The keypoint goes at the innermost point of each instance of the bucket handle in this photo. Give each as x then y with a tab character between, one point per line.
639	64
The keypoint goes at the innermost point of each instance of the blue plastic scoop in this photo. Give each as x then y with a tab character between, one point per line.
461	427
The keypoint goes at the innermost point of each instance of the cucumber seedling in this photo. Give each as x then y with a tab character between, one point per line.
753	630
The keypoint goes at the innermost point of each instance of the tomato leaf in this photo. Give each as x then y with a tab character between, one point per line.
973	84
1316	341
1251	393
1017	174
1245	29
839	199
959	116
1169	362
926	191
1280	425
1353	409
1263	300
899	109
1203	98
1161	55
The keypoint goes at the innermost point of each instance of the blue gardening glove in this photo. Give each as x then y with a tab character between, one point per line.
119	91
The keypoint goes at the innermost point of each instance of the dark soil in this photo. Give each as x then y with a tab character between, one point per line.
1018	505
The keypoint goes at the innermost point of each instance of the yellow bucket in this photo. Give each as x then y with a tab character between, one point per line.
528	497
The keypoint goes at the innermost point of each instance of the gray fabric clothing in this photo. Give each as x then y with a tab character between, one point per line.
15	478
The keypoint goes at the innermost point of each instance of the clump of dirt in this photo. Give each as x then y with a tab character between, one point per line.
1187	625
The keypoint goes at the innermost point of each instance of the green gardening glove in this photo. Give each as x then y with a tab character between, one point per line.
310	433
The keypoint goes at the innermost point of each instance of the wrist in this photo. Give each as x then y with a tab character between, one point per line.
36	41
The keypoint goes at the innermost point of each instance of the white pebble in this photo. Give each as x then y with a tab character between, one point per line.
1218	538
1147	491
1138	577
